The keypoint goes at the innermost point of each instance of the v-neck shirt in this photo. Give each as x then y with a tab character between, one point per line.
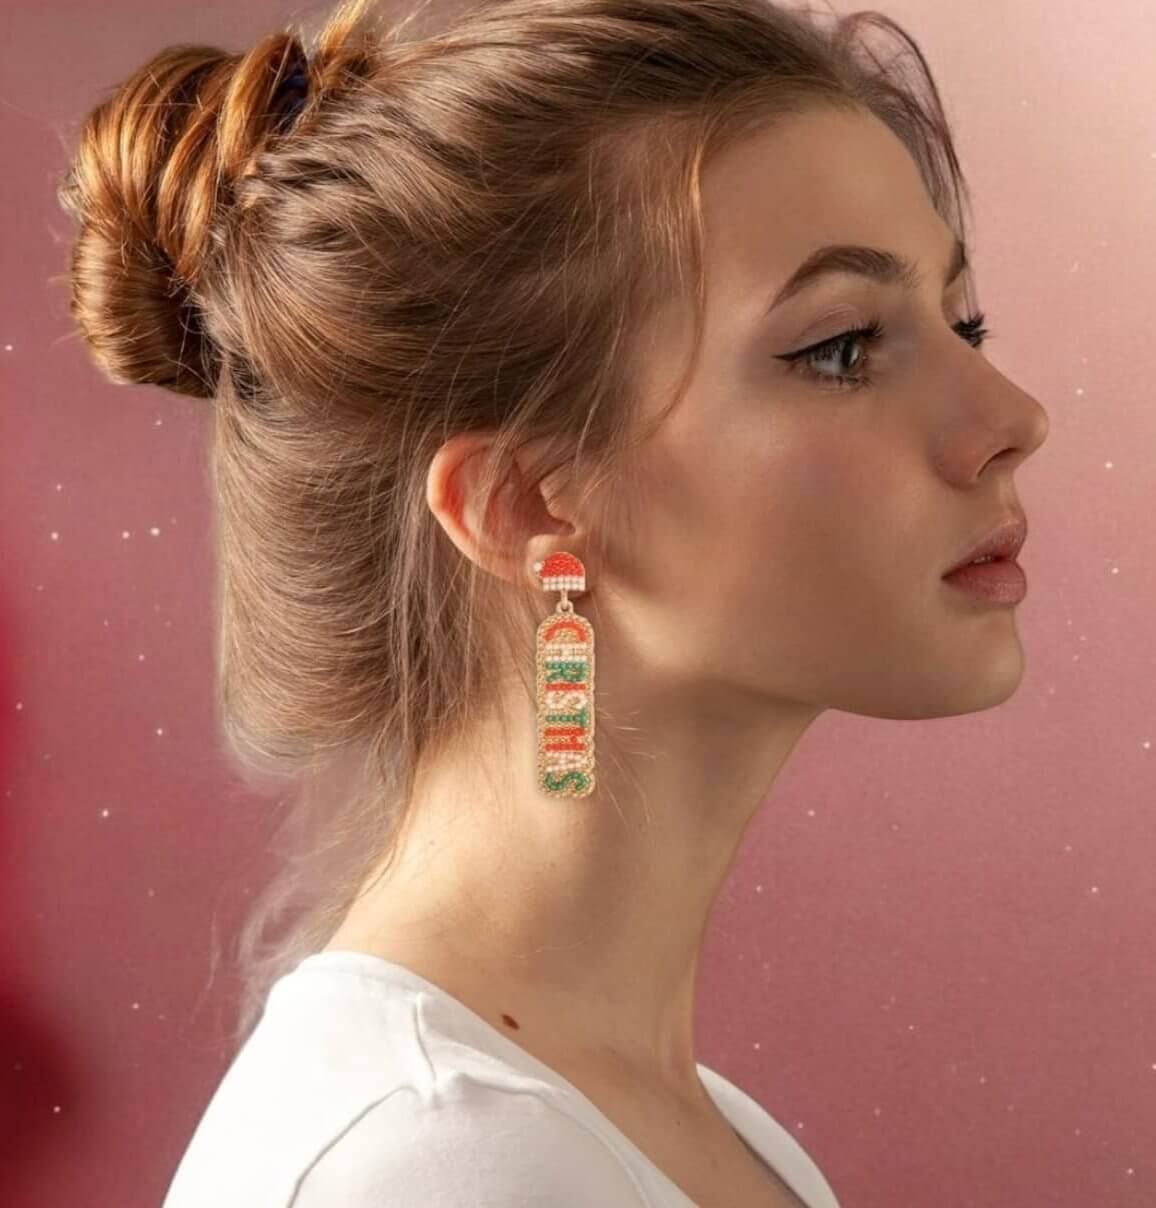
365	1085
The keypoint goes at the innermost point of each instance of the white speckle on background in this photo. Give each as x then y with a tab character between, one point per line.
54	535
125	533
1079	390
1145	745
1107	465
1115	570
136	1006
104	813
155	531
7	347
140	658
19	704
60	486
157	422
1095	889
160	729
152	893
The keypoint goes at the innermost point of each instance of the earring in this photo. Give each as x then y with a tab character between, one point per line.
564	651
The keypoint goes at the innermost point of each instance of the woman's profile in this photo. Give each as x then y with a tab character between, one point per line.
597	398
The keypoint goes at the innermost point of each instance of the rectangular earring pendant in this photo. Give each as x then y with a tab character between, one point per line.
564	652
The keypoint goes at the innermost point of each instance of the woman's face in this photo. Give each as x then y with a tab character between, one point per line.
802	529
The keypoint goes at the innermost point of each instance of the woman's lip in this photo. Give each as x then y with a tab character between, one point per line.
1004	541
1001	581
968	565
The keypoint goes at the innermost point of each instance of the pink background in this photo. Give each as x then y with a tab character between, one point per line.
934	961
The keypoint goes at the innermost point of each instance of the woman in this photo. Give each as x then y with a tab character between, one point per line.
661	307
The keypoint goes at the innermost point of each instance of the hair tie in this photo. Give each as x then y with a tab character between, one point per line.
289	98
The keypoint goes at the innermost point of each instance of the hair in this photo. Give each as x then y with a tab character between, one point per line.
467	228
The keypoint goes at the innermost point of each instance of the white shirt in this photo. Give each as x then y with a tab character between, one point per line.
363	1085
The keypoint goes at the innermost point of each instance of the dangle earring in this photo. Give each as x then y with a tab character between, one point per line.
564	651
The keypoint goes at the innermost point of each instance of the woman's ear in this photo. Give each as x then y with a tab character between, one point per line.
503	540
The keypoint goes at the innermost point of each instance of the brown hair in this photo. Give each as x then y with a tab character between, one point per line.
463	230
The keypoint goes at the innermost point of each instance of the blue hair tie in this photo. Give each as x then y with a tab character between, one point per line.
289	99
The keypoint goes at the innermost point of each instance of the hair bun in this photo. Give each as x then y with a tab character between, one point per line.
154	167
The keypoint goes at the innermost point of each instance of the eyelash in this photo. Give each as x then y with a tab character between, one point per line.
971	329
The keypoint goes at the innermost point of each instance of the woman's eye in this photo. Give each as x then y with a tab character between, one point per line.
841	350
973	330
846	374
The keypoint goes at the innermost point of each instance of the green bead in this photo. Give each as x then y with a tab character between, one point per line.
554	781
565	672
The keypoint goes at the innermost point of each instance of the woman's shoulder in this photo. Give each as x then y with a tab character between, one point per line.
353	1084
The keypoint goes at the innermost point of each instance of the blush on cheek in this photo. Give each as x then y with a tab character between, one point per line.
857	484
837	505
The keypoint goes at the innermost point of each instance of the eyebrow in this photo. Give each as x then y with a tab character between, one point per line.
889	268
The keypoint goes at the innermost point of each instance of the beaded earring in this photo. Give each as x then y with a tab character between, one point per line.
564	651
